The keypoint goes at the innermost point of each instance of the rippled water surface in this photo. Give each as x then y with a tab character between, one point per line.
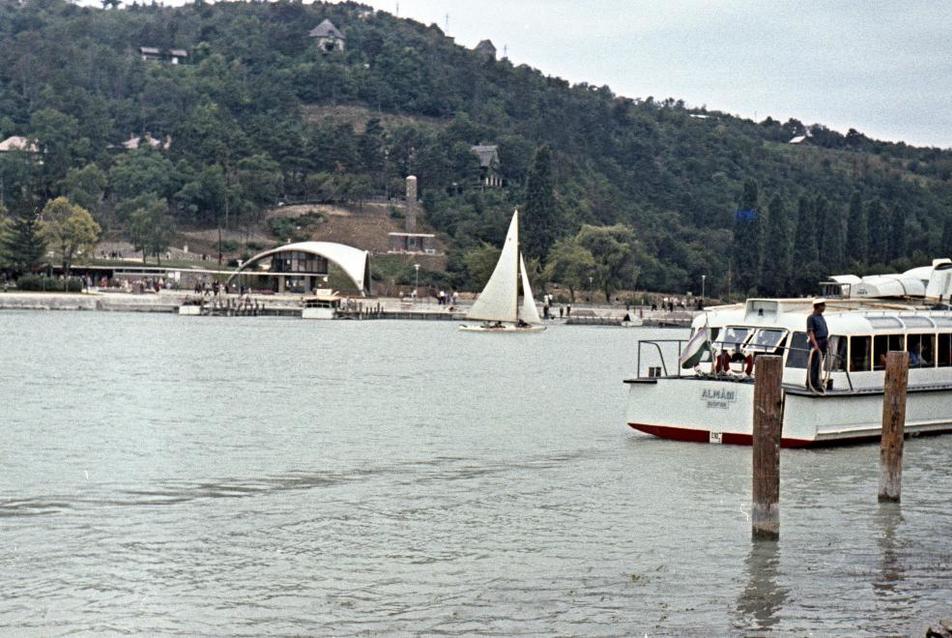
264	477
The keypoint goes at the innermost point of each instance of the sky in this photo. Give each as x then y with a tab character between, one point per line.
883	68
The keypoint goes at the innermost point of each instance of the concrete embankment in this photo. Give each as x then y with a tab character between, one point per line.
109	302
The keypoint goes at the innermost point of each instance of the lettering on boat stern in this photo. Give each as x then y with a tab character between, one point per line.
718	399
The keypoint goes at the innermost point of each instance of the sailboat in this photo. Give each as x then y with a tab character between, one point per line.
498	306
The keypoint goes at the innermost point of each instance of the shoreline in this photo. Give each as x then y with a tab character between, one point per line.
169	301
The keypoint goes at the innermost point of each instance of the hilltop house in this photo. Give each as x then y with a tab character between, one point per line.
164	56
488	155
328	37
141	141
17	143
486	50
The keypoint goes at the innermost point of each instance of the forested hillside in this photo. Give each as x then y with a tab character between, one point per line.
632	192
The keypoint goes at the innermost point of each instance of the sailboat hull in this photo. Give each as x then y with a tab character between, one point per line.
504	329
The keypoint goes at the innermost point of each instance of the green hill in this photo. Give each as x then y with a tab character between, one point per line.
257	113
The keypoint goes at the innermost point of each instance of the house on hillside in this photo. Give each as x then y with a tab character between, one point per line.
16	143
488	155
163	56
486	50
412	243
142	141
328	37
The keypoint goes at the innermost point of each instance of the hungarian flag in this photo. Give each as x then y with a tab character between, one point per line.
698	344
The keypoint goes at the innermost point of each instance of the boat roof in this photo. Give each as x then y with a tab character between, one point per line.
843	316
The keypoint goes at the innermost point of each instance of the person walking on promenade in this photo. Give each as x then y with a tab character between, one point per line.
819	336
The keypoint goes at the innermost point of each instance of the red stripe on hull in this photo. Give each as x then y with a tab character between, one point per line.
704	436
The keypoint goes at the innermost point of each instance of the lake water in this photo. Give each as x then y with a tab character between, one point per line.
269	477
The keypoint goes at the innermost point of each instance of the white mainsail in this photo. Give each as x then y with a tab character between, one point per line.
529	313
497	301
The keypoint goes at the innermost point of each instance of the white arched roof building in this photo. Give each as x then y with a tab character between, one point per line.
353	261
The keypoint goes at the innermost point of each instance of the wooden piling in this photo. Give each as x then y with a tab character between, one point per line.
768	423
894	426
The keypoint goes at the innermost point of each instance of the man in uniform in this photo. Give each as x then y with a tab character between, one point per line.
819	336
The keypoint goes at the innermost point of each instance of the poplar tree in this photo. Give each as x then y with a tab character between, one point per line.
540	220
776	265
832	236
805	255
748	238
857	234
878	233
896	244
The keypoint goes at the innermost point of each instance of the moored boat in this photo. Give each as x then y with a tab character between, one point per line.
701	388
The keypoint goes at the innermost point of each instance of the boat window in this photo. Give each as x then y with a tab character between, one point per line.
944	352
837	362
861	350
921	349
883	344
765	340
799	350
733	337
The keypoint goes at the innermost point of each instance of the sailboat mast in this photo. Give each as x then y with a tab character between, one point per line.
518	253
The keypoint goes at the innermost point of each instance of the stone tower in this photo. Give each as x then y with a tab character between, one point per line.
411	203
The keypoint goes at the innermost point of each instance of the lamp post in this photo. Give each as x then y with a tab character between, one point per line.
589	289
416	285
703	277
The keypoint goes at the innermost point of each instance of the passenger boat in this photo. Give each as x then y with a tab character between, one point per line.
323	305
679	391
498	307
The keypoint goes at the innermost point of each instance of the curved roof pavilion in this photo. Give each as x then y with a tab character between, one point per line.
306	262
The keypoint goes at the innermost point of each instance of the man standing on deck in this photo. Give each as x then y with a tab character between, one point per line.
819	337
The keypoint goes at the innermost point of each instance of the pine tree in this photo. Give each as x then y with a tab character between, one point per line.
857	233
776	265
748	239
878	233
23	248
540	219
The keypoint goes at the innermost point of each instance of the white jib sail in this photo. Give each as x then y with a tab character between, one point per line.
528	313
497	301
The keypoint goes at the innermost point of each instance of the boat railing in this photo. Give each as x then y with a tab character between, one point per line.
662	349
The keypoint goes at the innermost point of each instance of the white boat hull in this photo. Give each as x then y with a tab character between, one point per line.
714	411
504	329
317	313
191	311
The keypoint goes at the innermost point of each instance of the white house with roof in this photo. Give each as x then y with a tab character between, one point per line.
165	56
328	37
17	143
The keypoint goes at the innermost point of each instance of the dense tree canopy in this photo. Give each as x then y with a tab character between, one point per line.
258	114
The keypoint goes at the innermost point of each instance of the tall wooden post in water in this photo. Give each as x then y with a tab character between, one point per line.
894	425
768	423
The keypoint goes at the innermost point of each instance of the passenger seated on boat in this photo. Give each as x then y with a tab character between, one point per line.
749	365
722	364
521	324
916	357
